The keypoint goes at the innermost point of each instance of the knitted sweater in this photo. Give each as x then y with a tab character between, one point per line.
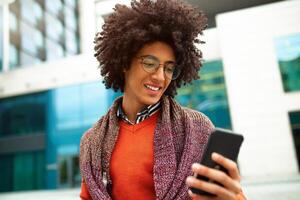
179	140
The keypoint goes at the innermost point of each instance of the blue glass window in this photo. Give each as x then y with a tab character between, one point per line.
71	42
288	55
31	12
22	171
26	59
32	39
13	56
70	18
71	3
67	101
94	102
17	118
80	105
42	30
55	30
13	23
295	127
53	7
54	50
208	94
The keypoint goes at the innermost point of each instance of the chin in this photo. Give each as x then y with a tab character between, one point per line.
151	100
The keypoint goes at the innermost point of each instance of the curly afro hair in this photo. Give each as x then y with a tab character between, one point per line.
128	29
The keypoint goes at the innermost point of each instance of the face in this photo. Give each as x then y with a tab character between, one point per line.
143	88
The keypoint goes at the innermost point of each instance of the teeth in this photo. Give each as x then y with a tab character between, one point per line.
152	88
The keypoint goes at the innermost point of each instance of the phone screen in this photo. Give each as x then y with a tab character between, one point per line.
224	142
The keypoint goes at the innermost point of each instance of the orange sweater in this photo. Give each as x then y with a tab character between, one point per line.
131	165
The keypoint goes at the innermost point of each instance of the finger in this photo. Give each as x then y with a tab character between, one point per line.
209	187
230	165
217	175
198	197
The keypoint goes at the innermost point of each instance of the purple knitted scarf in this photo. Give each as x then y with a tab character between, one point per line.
179	140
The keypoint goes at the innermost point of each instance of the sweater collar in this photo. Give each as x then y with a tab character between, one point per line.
142	115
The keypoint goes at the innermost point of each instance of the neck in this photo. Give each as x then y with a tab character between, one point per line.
131	108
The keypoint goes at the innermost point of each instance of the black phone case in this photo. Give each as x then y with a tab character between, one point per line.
224	142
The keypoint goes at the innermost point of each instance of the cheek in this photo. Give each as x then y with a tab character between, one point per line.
168	82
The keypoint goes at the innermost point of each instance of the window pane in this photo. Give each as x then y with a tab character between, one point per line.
41	31
54	50
208	94
295	126
26	59
31	12
70	18
32	39
71	42
22	171
288	55
17	118
13	23
68	112
6	167
71	3
76	177
13	56
63	172
69	172
55	30
53	7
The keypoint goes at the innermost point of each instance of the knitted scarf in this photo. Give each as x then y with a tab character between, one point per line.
179	140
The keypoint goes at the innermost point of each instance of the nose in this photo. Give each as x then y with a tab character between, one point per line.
159	73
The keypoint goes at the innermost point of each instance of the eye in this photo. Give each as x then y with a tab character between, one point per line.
170	67
148	62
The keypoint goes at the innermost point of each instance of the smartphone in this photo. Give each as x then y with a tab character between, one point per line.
224	142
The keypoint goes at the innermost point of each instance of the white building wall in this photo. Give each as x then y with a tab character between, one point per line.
258	105
211	48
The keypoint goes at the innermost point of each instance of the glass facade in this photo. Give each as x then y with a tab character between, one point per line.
208	94
60	118
22	168
22	171
288	55
72	110
42	30
295	126
17	118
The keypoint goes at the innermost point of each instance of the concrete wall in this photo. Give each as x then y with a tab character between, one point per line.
259	107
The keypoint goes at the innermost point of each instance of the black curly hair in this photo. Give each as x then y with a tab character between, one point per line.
128	29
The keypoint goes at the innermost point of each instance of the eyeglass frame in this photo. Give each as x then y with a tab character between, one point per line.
158	66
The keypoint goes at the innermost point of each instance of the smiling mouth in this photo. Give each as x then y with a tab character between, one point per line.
152	87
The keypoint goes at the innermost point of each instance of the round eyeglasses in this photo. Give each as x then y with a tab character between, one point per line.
151	64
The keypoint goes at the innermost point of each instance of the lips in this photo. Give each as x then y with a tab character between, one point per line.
152	87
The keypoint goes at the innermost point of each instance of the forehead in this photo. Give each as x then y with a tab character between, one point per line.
161	50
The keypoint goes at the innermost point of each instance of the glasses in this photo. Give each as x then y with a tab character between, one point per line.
151	64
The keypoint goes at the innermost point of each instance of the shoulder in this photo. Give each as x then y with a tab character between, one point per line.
198	117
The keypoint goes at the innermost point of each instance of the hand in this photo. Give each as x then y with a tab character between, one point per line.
231	182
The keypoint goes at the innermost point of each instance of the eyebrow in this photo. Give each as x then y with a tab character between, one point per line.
174	61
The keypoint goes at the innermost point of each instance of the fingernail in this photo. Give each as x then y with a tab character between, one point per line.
191	193
189	180
196	166
215	155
